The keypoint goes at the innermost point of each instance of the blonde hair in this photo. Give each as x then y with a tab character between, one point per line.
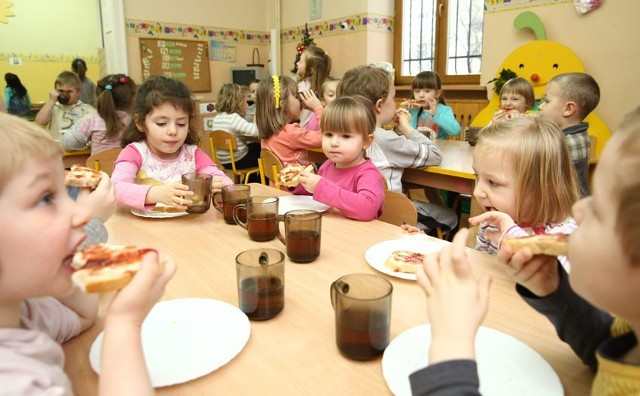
230	99
22	141
626	193
317	66
325	85
545	178
580	88
68	78
349	114
371	82
520	86
270	119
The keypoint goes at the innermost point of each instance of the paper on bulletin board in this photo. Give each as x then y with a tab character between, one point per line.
315	11
222	51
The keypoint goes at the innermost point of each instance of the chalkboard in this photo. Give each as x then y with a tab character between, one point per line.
184	60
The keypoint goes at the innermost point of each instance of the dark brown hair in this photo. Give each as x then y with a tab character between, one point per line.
115	93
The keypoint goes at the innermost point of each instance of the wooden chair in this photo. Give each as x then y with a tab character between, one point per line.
226	141
103	160
398	209
269	161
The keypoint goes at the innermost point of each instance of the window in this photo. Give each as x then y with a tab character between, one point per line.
440	35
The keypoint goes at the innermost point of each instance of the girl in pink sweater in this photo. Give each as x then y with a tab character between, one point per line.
277	110
347	180
161	145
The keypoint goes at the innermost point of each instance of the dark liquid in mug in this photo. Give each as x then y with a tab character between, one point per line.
262	227
261	298
227	212
361	334
303	246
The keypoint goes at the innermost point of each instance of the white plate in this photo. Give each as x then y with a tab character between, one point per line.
157	214
292	202
377	254
506	366
187	338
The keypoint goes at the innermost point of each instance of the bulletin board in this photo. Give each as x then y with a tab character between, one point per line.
184	60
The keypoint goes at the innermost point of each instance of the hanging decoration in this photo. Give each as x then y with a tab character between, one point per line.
306	41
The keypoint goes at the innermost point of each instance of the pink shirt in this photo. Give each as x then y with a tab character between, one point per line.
31	358
290	144
358	191
91	130
137	156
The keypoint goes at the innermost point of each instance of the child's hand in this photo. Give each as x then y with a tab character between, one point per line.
53	96
502	115
431	106
310	100
403	118
500	220
537	273
309	180
131	305
172	194
101	202
409	229
216	184
457	301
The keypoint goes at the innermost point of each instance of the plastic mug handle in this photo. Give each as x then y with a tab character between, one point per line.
338	284
235	215
215	201
281	237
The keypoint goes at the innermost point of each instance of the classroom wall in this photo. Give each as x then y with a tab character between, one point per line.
604	39
46	49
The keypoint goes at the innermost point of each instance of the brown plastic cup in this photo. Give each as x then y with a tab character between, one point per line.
232	195
262	217
200	184
260	274
302	234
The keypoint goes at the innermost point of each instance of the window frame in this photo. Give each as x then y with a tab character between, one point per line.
440	57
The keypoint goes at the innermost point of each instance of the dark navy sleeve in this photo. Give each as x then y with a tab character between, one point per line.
448	378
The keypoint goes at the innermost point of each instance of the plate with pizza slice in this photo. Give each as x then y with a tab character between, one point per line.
187	338
160	211
398	257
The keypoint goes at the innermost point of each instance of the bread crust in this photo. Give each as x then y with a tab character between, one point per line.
404	261
547	244
83	177
289	175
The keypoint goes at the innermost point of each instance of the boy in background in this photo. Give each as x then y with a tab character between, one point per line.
64	108
568	100
390	152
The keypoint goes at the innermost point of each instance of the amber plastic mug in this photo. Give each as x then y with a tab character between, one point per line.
200	184
232	195
260	275
362	305
262	217
302	232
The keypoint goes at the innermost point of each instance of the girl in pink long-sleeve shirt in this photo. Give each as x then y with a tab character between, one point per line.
277	108
160	146
347	180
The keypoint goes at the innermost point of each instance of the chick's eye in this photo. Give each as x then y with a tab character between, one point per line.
555	66
521	66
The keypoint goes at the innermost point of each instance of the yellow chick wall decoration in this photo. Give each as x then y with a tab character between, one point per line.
539	61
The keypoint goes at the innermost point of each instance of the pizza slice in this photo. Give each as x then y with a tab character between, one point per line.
102	268
548	244
82	176
404	261
289	175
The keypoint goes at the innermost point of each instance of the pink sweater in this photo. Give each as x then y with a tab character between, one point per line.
131	160
290	144
358	191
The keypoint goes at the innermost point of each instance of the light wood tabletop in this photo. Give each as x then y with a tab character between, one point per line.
295	352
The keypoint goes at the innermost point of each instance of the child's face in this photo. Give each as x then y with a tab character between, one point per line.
67	94
423	94
166	129
293	107
345	149
329	94
513	101
302	65
43	228
385	111
495	182
599	271
251	96
553	105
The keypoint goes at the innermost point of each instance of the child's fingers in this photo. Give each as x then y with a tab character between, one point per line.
460	265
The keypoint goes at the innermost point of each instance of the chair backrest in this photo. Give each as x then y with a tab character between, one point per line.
398	209
269	164
471	239
225	141
103	160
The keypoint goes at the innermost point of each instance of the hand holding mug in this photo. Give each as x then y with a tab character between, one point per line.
172	194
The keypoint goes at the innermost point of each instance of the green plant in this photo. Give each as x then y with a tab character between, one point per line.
504	76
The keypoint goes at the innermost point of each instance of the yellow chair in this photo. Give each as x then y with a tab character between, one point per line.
398	209
269	161
226	141
103	160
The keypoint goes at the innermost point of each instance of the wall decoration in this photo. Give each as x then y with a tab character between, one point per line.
504	5
584	6
5	12
40	57
315	9
179	31
332	27
222	50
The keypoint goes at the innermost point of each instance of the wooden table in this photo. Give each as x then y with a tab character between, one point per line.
295	353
